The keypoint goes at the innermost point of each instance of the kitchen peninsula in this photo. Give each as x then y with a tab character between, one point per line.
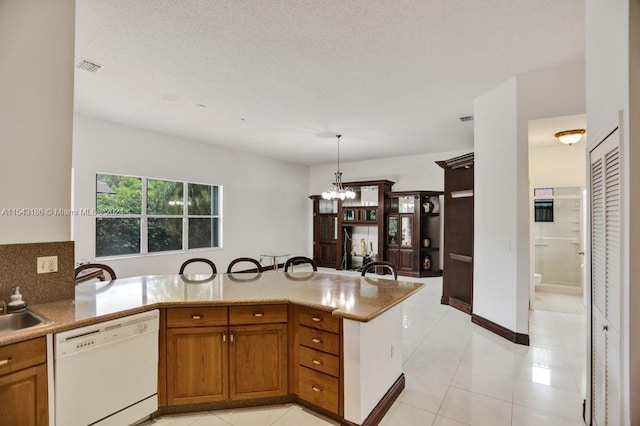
327	341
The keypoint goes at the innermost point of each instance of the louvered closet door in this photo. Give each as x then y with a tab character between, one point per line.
606	243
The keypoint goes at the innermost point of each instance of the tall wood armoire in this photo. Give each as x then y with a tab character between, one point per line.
457	281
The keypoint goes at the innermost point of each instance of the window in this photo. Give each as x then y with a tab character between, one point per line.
143	215
543	209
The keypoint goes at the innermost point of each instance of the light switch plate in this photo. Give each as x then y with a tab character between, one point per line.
47	264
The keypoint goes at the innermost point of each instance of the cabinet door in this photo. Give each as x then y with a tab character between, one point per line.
405	262
258	361
24	397
392	230
197	365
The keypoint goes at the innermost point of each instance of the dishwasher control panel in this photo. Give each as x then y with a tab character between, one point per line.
96	335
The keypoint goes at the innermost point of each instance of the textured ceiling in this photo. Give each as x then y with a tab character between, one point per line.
278	76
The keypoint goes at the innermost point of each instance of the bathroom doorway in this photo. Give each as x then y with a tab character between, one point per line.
558	244
557	179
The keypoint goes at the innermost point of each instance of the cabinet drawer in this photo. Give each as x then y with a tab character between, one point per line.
194	317
318	339
257	314
318	389
319	361
22	355
319	319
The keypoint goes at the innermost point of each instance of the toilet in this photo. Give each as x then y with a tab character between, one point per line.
537	279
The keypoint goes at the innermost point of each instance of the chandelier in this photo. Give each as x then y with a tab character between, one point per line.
338	191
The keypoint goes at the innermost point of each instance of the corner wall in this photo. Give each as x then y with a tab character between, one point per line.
502	201
36	117
265	201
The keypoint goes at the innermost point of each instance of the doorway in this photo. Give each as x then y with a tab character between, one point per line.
559	241
557	178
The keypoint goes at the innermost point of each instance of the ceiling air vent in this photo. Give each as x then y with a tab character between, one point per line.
88	66
466	118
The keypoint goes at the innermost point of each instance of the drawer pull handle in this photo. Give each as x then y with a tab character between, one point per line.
231	337
5	361
316	319
316	388
314	340
258	314
224	337
316	362
196	317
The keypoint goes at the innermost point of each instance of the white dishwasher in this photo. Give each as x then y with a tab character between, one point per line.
107	373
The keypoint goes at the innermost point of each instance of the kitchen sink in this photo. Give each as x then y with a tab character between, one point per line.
19	321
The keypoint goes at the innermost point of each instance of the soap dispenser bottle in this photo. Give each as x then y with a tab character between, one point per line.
16	304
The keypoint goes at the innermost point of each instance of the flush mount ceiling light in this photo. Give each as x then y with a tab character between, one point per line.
569	137
338	191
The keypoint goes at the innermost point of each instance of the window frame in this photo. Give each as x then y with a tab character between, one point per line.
144	218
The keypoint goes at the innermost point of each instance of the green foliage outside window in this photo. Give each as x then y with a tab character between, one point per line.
121	223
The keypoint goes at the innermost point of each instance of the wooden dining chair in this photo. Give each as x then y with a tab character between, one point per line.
258	266
299	260
198	260
385	265
90	271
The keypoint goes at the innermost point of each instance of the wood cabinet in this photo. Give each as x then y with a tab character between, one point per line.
339	226
258	361
198	365
23	383
457	282
218	353
325	231
258	351
412	232
317	363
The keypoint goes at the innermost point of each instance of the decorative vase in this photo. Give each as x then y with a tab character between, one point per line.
426	243
427	263
428	206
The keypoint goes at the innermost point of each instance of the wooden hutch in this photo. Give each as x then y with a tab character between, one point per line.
379	225
412	232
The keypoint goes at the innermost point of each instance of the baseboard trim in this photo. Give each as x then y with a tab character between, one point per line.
460	305
385	403
512	336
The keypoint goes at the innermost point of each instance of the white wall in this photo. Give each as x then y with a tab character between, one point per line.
372	361
412	172
613	96
495	274
502	201
265	205
36	116
558	166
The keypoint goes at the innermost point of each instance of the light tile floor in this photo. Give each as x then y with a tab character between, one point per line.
460	374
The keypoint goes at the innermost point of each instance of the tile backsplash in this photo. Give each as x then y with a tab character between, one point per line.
18	267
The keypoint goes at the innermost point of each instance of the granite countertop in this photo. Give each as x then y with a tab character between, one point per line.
350	297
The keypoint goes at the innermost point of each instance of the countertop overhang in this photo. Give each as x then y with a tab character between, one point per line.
346	296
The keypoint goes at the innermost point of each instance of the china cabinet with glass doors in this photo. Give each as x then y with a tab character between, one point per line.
412	232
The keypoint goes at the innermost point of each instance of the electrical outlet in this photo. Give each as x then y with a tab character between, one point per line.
47	264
